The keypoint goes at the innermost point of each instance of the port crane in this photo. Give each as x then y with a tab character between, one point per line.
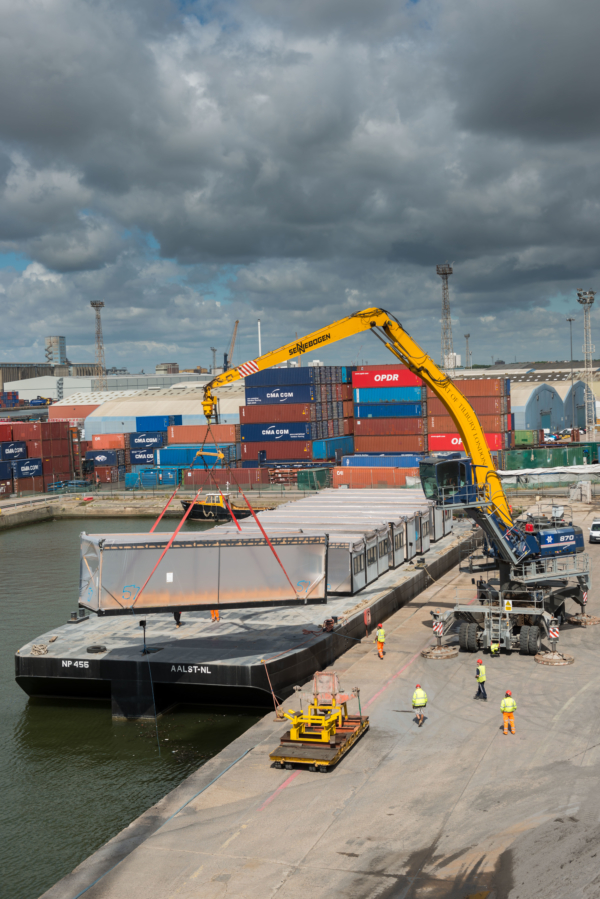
228	356
537	570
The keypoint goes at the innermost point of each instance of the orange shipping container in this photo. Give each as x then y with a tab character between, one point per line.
110	441
479	387
388	427
397	444
200	434
481	405
491	424
356	478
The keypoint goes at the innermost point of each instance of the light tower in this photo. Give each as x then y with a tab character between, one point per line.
213	350
586	298
97	305
448	359
468	358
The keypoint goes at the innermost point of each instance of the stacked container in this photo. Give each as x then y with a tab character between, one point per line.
39	454
297	415
490	400
389	413
8	399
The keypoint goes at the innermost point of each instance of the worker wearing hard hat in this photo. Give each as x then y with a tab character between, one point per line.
419	704
508	707
380	640
480	675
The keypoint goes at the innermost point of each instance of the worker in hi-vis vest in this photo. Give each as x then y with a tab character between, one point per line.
508	707
380	640
495	650
419	704
480	675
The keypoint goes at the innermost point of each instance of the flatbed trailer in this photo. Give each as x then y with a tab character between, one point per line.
315	754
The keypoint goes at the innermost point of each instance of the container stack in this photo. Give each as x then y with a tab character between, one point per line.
490	399
9	399
297	415
34	456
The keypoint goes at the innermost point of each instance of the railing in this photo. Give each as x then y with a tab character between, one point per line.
465	495
556	566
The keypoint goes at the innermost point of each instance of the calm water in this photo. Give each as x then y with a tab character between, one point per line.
70	777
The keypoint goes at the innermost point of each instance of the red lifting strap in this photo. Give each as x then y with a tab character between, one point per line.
264	533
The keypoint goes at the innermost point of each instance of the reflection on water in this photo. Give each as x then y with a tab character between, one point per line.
70	776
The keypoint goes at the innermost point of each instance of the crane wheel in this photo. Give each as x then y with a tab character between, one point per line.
462	636
472	637
534	642
524	640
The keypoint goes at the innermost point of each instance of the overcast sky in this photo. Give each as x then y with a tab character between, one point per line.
196	163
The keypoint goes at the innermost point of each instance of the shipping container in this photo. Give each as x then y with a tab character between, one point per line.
491	424
481	405
282	377
389	395
106	458
268	396
479	387
106	474
200	433
373	460
27	485
40	430
278	449
146	439
345	392
389	410
5	471
230	478
300	430
394	376
6	487
347	427
156	422
399	443
528	438
17	449
27	468
180	454
387	427
6	432
141	456
56	465
314	478
357	478
250	415
110	441
444	442
327	449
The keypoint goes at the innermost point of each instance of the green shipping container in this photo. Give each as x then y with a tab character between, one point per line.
526	438
314	478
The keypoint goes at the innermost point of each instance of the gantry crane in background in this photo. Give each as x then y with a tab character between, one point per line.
228	356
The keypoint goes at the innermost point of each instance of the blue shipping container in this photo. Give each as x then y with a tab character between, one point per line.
270	396
389	394
182	454
296	430
388	410
10	451
146	439
141	457
380	460
326	449
27	468
104	457
159	477
282	377
5	471
156	422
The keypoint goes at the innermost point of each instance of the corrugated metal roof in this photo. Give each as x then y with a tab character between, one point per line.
167	401
96	397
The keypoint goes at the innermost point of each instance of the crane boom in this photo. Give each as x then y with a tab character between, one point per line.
400	343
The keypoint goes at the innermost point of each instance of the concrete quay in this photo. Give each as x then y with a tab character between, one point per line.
449	811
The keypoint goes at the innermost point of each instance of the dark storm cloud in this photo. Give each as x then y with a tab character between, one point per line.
297	162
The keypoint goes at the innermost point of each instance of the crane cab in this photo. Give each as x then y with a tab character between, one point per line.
449	481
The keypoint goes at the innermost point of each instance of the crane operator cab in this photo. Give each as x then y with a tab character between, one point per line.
449	481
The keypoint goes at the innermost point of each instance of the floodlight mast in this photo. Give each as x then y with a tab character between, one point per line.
448	361
586	299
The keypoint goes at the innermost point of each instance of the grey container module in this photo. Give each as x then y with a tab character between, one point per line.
377	555
346	557
397	526
199	572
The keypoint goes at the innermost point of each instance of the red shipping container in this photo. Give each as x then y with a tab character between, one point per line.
37	448
106	474
397	444
480	387
29	485
278	449
85	446
31	430
61	447
481	405
346	392
59	430
348	409
110	441
330	428
244	477
250	415
445	442
56	465
395	376
200	434
348	424
491	424
6	431
356	478
388	427
6	488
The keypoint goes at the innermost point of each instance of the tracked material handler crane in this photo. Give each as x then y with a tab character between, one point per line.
535	572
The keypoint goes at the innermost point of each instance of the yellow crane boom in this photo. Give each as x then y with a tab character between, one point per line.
400	343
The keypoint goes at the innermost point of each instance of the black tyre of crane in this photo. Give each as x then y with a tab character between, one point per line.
524	640
472	637
534	642
462	636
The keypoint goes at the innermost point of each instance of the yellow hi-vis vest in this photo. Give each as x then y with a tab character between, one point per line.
419	698
508	704
495	647
481	675
380	635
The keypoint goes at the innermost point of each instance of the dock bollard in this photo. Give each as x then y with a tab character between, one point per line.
553	657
